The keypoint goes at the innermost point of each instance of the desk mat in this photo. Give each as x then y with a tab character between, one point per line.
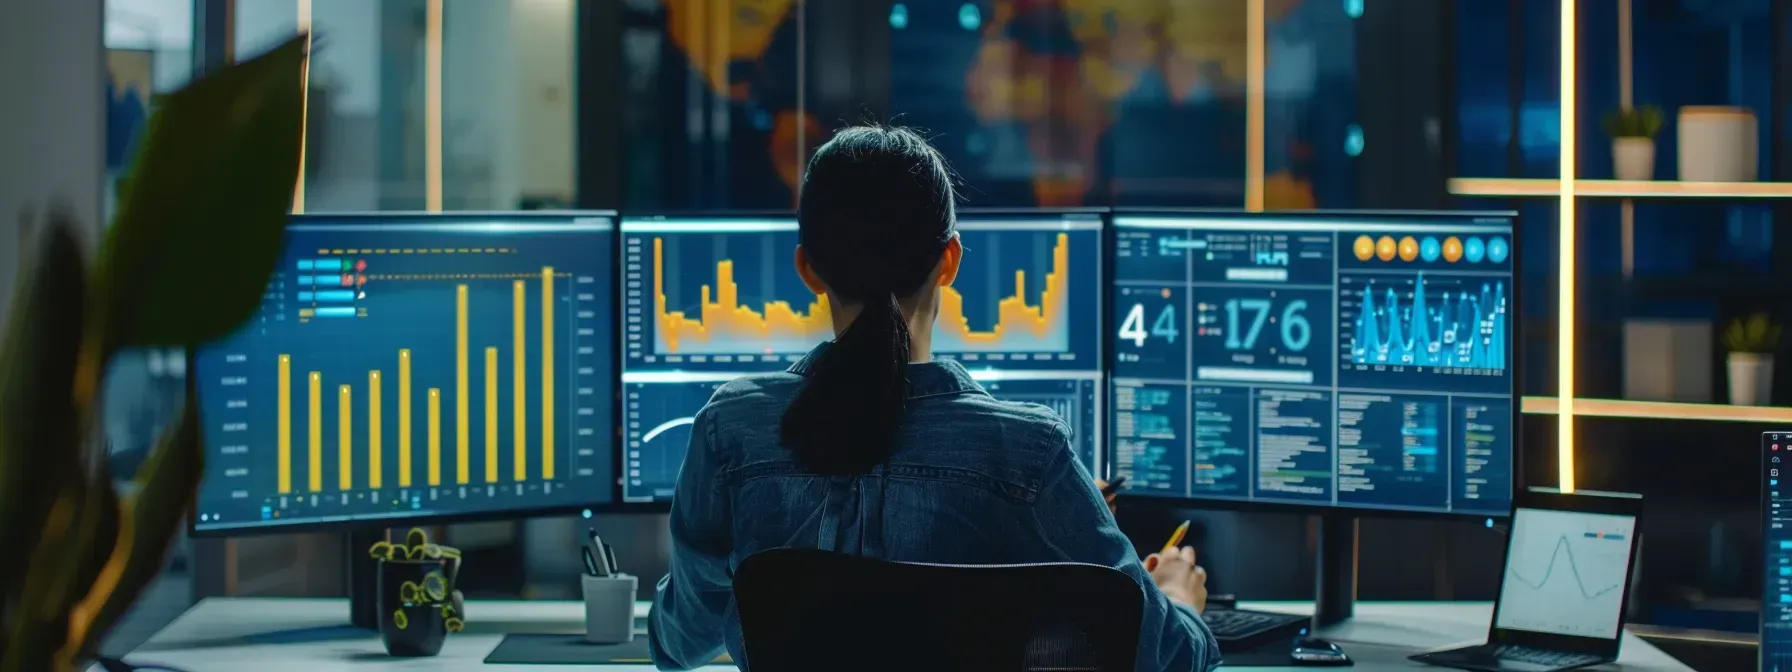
537	649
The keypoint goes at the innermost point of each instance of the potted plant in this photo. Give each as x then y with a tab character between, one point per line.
203	213
1633	130
1751	343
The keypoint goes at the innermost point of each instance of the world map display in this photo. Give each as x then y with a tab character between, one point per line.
1023	96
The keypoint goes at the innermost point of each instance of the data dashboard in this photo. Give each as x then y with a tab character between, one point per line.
1776	544
706	300
416	366
1347	360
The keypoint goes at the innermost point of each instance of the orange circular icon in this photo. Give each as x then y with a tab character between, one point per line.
1409	249
1452	249
1384	248
1166	292
1365	248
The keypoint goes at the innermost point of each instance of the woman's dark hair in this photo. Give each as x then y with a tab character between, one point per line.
876	213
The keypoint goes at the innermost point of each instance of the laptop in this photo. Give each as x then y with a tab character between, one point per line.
1562	594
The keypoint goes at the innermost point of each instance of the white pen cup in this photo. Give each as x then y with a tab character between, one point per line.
610	609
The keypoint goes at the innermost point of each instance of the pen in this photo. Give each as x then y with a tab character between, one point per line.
1176	537
590	562
610	558
1113	486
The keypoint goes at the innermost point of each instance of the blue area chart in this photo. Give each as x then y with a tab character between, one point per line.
1418	324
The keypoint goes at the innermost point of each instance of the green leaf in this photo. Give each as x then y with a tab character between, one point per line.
199	227
39	457
167	483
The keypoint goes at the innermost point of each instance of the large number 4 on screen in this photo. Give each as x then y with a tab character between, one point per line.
1133	327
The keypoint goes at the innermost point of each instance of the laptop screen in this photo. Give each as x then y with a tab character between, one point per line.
1565	573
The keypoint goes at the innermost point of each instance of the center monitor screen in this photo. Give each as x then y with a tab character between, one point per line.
1359	361
706	300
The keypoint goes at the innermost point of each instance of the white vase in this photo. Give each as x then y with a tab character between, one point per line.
1717	144
1751	378
1633	158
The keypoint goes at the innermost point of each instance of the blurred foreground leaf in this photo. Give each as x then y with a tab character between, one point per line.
200	224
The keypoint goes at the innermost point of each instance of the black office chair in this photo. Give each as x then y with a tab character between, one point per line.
808	609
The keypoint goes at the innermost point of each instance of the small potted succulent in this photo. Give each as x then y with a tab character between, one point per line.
1751	343
1633	130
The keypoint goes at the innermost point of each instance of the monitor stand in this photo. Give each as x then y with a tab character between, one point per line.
363	578
1335	588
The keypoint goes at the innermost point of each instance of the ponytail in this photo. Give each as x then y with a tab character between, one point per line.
847	417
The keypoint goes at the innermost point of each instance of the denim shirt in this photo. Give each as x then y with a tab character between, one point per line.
974	480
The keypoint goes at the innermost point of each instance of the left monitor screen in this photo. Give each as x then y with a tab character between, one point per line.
416	367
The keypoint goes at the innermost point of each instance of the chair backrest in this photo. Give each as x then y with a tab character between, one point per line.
808	609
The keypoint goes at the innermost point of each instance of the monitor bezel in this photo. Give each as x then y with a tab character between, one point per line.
252	530
1104	214
1515	309
1549	499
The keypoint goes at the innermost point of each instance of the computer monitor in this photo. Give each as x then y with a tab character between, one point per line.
707	299
1776	556
411	367
1335	360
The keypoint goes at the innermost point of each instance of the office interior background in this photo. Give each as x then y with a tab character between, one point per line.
681	105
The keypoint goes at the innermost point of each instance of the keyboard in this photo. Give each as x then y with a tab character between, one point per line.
1509	658
1241	630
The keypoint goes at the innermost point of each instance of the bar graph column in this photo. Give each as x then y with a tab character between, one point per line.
373	431
519	395
460	384
315	441
435	436
547	373
345	439
491	415
285	424
404	418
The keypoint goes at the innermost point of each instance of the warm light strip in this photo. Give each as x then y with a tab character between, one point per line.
1566	256
1660	410
298	189
432	106
1626	97
1509	187
1256	40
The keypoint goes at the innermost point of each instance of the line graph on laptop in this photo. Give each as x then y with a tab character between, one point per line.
1565	573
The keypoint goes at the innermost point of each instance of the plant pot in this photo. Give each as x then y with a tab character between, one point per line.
1718	144
412	606
1633	158
1751	378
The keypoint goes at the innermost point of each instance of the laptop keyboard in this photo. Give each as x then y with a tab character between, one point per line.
1556	659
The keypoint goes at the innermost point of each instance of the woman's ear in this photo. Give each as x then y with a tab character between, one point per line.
811	279
949	261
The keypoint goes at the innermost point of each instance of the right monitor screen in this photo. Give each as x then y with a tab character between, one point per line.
1358	361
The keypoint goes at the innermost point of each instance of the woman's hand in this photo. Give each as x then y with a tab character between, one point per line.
1177	575
1102	484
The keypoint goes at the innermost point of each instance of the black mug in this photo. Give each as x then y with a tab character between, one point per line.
414	606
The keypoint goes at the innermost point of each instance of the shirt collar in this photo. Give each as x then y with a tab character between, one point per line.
925	379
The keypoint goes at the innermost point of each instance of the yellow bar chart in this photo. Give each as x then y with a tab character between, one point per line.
367	446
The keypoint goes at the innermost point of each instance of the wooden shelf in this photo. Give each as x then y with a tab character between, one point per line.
1661	410
1512	187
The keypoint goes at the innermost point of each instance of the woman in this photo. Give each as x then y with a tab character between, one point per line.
935	470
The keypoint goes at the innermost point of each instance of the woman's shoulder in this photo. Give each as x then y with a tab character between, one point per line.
754	394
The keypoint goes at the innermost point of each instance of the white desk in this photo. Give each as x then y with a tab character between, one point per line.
277	635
